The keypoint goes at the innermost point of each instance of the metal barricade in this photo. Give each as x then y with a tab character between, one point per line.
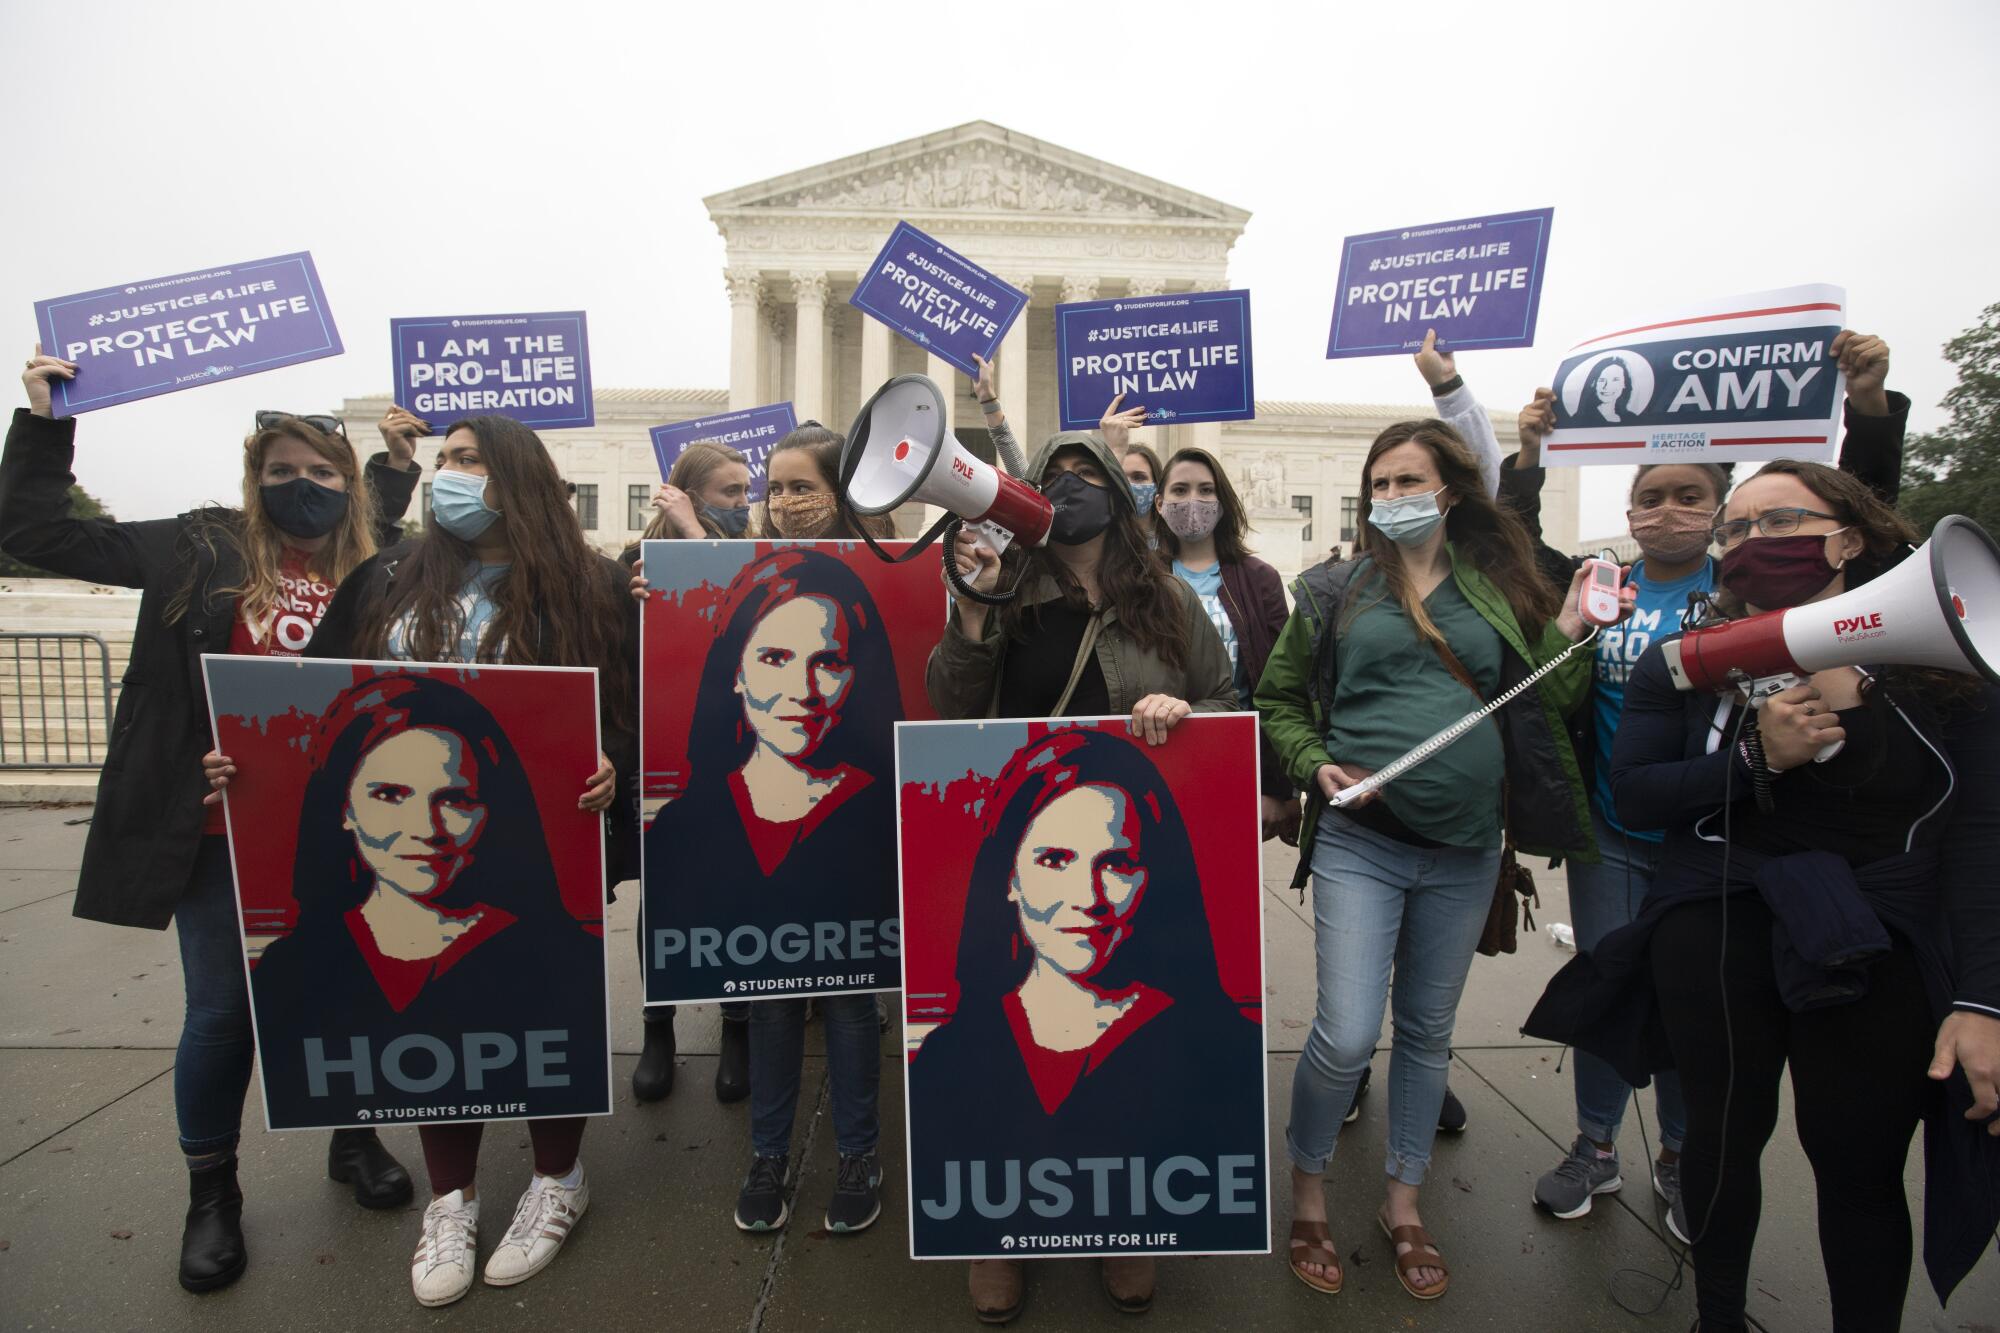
55	700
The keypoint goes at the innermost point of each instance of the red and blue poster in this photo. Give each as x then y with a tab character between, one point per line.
422	901
1083	971
772	675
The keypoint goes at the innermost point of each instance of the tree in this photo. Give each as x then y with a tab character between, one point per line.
82	504
1956	470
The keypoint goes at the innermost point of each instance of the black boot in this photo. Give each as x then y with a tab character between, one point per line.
653	1076
356	1157
732	1071
212	1253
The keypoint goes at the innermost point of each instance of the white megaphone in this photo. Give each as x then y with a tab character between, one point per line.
898	451
1939	608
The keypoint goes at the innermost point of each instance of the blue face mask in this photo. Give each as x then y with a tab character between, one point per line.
1407	519
1143	493
458	503
733	522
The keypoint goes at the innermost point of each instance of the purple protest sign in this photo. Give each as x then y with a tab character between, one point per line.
754	430
141	339
938	299
1184	357
1477	281
534	368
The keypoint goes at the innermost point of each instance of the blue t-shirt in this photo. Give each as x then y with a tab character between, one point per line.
1660	610
476	600
1207	585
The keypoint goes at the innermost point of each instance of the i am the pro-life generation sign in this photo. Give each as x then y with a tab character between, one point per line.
534	368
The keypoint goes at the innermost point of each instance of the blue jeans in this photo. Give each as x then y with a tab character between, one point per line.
212	1066
853	1062
1377	904
1602	898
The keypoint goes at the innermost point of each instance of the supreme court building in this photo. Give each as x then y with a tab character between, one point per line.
1054	223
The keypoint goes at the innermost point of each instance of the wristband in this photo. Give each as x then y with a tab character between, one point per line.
1452	385
990	406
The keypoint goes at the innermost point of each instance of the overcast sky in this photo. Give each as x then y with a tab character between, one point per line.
462	158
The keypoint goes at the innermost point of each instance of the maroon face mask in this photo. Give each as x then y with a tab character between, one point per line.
1778	572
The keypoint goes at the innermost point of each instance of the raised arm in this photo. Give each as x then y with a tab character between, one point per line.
1875	417
1459	409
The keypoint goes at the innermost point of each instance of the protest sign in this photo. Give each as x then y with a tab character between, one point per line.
754	431
533	368
1052	872
1183	358
938	299
141	339
1740	378
1477	281
771	676
421	900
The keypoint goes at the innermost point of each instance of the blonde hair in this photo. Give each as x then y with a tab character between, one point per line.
691	471
262	543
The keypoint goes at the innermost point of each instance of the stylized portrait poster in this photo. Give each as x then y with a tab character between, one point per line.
422	900
772	675
1731	379
1083	975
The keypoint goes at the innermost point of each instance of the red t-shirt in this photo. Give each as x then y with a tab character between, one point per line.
283	631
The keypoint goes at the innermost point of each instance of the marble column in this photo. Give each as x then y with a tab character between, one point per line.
745	291
1206	434
876	358
777	324
809	346
1076	289
1016	398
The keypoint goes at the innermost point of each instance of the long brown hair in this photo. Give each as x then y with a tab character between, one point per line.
1131	578
823	447
262	543
690	472
557	604
1230	548
1486	536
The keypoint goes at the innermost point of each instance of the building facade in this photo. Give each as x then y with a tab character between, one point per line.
1056	224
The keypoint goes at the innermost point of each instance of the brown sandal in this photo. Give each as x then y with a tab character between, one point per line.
1319	1249
1423	1253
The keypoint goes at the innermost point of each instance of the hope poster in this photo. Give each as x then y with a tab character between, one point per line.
1083	974
1740	378
1477	281
534	368
772	675
422	902
140	339
1183	358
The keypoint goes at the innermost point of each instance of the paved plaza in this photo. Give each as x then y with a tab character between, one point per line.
92	1188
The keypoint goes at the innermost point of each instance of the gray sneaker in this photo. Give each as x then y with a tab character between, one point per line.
1567	1191
1667	1184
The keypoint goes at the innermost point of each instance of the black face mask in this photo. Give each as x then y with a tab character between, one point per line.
302	507
1082	510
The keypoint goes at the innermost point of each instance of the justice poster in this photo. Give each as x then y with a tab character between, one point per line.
422	901
772	675
1083	973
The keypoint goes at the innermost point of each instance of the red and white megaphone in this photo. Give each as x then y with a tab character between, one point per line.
1939	608
897	451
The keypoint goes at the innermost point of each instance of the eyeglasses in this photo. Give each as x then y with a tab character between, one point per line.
1772	523
330	425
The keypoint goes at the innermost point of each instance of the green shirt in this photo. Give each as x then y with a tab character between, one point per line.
1395	692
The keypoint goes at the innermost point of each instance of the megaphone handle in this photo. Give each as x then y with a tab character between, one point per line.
1764	688
959	583
1827	752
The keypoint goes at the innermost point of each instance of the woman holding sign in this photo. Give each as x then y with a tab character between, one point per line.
1442	609
255	579
1101	628
501	574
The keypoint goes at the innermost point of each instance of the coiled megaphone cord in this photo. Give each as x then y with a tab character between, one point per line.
959	583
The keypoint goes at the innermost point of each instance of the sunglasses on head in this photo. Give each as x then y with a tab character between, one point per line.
330	425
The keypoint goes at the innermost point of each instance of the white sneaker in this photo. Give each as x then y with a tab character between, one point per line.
542	1222
441	1272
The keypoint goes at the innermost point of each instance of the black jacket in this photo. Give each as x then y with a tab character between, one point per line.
340	630
147	825
1871	450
